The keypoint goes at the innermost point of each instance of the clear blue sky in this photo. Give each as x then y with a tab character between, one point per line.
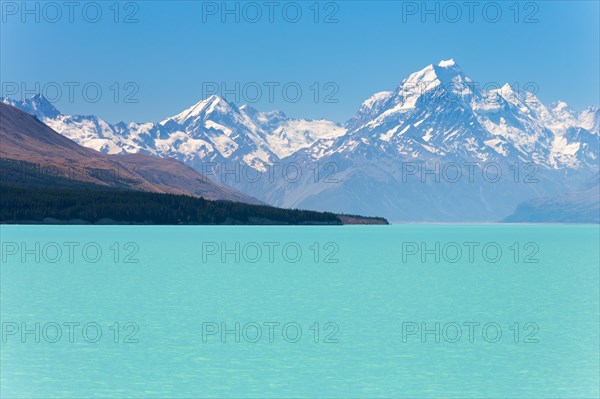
176	48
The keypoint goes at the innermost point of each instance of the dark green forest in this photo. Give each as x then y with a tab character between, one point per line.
28	196
69	205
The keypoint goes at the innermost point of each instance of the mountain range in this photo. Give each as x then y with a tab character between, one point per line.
436	148
31	152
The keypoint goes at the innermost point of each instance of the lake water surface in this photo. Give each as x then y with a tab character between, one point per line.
416	311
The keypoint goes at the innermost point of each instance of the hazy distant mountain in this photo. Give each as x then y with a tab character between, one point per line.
399	155
27	140
581	206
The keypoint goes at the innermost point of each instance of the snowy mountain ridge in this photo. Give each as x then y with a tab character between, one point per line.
210	130
437	114
214	129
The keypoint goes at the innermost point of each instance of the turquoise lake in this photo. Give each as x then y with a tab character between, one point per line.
414	311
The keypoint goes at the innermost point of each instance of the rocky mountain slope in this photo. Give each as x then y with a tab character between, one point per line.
41	152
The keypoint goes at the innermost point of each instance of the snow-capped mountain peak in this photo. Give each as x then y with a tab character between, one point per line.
446	73
436	110
37	105
560	105
505	91
200	109
589	119
443	84
561	108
